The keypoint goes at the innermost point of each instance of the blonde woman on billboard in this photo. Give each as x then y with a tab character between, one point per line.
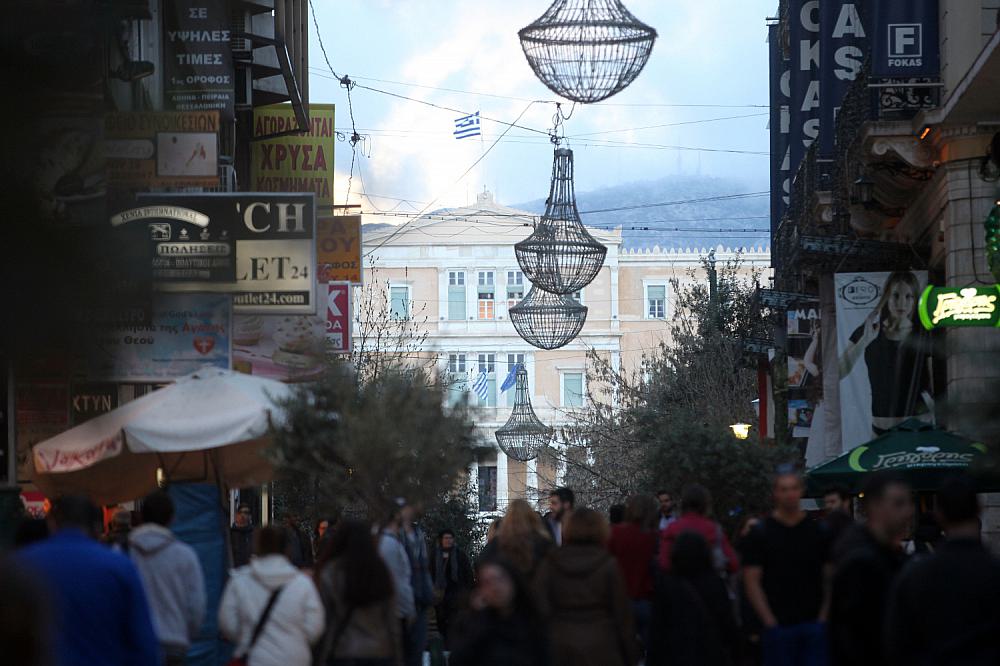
894	347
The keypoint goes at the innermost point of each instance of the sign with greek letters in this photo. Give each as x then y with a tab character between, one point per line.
338	248
197	56
295	162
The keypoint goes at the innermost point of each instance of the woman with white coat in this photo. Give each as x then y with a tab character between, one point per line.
296	618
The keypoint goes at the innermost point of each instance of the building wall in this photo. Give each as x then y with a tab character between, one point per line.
966	26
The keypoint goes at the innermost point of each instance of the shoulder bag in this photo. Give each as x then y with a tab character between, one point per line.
257	630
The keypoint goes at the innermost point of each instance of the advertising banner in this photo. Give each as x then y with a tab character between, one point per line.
803	28
338	248
286	348
257	246
905	39
804	363
960	306
778	124
162	149
339	315
296	162
91	399
197	56
187	332
884	352
842	48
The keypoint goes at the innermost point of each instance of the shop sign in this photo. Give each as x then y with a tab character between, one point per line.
338	248
162	149
295	162
186	333
905	39
338	317
89	400
197	56
960	306
257	246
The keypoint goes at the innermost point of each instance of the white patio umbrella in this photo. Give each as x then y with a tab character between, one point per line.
209	426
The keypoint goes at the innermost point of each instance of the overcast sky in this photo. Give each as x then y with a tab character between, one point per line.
709	52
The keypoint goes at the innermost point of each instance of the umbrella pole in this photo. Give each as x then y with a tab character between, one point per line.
223	502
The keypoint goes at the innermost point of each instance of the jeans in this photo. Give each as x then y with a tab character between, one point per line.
414	640
796	645
642	611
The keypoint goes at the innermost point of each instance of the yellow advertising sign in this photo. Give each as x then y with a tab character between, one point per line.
295	162
338	248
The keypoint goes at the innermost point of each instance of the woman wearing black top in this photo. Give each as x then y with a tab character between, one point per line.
895	349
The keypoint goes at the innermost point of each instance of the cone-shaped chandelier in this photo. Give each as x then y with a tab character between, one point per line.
561	256
548	321
523	436
587	50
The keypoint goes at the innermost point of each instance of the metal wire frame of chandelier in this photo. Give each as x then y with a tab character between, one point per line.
523	435
548	321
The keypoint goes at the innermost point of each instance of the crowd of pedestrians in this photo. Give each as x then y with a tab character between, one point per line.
653	586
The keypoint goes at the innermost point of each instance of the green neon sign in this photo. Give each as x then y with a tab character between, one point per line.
960	306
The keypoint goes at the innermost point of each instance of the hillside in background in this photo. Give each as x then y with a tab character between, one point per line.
703	218
683	225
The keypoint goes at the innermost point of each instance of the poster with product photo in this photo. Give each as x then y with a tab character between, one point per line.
804	363
883	351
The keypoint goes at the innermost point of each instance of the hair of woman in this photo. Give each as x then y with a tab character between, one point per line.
641	510
690	557
586	526
270	540
519	530
366	577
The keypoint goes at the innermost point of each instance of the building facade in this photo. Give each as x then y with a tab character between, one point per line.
455	274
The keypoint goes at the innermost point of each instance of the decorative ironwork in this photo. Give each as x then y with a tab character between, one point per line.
757	345
548	321
560	256
523	435
781	300
587	50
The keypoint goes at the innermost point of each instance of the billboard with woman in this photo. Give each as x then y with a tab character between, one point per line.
884	353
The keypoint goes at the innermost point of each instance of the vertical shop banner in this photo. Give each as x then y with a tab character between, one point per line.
804	363
197	56
803	38
842	47
186	333
339	315
778	124
883	351
295	162
338	248
905	39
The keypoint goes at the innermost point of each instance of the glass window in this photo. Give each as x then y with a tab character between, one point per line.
512	361
487	488
486	295
487	364
515	287
656	301
399	302
578	296
572	389
457	378
456	295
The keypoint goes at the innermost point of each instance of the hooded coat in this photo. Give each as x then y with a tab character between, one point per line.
582	594
296	621
175	586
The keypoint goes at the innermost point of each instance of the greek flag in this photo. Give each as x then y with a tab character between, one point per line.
467	126
511	379
482	386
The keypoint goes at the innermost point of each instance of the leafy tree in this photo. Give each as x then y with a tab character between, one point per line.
358	445
667	423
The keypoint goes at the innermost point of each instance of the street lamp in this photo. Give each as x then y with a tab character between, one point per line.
740	430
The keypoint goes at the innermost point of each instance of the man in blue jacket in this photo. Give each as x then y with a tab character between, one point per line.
100	613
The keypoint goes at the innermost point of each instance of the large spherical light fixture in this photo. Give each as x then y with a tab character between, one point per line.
548	321
587	50
560	256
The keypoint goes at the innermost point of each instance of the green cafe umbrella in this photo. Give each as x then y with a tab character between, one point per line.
921	453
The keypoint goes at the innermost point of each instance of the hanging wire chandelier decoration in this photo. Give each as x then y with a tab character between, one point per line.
548	321
523	436
560	256
587	50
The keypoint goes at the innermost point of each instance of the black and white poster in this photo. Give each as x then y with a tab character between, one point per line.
883	352
905	39
197	56
260	247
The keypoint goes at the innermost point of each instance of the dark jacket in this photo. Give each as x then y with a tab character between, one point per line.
452	577
485	638
582	594
241	539
540	547
862	579
300	547
944	609
101	615
692	623
634	548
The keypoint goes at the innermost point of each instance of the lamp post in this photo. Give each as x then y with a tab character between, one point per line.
740	430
